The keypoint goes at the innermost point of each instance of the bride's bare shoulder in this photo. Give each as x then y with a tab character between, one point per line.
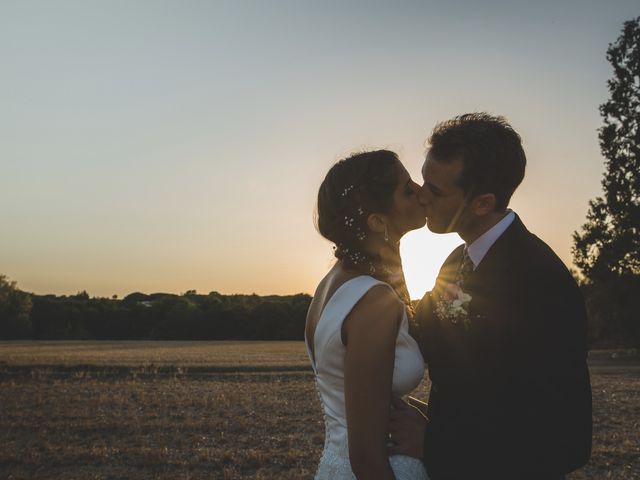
329	284
324	291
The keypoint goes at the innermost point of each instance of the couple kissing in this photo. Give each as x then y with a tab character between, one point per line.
502	334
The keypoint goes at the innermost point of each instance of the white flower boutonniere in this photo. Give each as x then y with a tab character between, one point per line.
453	305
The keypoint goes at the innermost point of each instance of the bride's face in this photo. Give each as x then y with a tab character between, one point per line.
408	212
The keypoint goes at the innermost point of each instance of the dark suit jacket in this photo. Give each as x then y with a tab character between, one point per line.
510	395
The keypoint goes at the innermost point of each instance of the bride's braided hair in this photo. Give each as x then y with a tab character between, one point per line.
355	187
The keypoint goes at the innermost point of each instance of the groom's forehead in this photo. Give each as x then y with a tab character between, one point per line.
437	171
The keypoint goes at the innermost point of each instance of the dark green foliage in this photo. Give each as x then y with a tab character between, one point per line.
15	307
607	250
60	319
612	320
159	316
609	244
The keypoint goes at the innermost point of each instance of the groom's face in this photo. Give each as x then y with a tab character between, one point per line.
441	195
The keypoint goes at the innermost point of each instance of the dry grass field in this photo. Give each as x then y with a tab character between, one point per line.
229	355
196	410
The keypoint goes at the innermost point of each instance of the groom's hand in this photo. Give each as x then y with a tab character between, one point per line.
407	424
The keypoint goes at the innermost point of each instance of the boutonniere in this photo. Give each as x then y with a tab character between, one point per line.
453	305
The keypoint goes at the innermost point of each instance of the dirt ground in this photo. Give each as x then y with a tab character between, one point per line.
184	418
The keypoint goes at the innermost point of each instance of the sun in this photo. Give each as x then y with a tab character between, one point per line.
422	255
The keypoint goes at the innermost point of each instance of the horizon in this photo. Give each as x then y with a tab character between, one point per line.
158	147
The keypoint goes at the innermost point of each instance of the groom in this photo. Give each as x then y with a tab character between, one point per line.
503	332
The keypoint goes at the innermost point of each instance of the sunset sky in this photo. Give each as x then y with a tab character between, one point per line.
161	146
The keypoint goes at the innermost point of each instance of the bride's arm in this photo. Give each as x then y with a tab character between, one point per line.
369	333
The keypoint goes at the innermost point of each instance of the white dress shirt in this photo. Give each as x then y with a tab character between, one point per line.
479	248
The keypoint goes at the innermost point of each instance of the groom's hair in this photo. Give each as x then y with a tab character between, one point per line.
491	152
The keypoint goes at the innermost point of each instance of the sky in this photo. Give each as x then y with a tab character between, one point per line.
160	146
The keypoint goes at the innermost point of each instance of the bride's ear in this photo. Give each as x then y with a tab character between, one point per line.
376	223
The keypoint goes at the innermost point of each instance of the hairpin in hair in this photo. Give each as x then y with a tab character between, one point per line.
346	191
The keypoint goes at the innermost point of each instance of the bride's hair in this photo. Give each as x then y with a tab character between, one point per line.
354	188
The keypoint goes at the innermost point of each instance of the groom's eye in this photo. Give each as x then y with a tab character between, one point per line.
436	191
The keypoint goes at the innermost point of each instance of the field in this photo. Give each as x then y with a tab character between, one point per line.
228	410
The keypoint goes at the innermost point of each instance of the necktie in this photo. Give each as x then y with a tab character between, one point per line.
466	267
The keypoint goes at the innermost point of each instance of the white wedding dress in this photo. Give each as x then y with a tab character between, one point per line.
328	367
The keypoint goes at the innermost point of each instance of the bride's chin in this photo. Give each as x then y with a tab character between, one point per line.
420	224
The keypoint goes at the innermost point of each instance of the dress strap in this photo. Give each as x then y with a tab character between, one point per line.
339	306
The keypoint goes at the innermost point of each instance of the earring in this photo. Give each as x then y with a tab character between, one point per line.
386	234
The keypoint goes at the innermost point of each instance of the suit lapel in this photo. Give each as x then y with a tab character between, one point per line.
484	284
495	265
447	273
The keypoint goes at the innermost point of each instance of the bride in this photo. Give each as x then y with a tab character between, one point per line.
357	331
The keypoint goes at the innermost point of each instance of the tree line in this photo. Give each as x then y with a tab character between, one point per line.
159	316
214	316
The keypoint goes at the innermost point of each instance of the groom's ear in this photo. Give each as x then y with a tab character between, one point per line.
375	223
484	204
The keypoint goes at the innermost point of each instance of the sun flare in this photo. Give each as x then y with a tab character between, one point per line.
422	254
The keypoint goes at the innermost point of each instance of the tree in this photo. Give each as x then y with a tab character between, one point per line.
610	240
83	295
607	250
15	307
